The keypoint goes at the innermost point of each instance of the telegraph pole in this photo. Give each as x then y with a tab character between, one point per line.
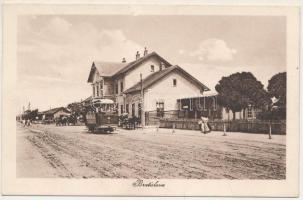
29	106
142	103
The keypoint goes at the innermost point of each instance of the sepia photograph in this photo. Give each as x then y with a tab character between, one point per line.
153	97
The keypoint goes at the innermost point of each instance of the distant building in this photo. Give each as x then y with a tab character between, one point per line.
53	113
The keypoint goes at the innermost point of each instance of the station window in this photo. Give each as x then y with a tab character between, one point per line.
160	109
133	110
117	89
126	108
101	88
97	90
152	68
121	86
175	82
161	66
101	84
121	109
139	110
93	90
249	112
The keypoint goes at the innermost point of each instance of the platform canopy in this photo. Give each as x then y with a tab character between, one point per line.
102	101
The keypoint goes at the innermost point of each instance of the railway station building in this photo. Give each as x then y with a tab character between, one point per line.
160	82
163	89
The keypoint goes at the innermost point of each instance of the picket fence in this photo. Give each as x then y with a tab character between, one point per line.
247	126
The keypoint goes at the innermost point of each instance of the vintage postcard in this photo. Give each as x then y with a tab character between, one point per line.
150	100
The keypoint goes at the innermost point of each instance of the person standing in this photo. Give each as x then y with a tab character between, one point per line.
204	125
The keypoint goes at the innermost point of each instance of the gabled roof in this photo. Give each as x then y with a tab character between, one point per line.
111	69
55	110
88	99
105	69
154	77
135	63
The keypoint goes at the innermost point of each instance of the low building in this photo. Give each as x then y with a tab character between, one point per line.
207	105
53	113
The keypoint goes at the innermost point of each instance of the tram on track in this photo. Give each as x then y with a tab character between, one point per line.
102	116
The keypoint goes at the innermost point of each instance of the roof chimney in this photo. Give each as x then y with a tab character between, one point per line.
145	51
137	55
123	60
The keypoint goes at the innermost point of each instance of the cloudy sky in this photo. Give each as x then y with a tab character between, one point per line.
55	53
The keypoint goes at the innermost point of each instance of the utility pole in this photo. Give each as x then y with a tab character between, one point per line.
142	103
29	106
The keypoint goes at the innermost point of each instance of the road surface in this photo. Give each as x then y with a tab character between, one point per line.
71	152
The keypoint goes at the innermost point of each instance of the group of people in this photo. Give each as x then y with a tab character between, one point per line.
66	120
205	127
26	122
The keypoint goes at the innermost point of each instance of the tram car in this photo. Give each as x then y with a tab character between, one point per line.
102	116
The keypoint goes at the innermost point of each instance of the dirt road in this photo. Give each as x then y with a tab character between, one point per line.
74	153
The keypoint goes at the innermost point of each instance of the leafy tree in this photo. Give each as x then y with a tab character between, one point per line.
77	109
277	88
239	90
30	114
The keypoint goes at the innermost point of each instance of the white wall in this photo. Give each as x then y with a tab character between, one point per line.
60	112
239	115
166	92
108	87
96	78
229	115
133	76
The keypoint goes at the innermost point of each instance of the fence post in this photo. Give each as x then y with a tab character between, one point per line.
269	134
174	126
224	129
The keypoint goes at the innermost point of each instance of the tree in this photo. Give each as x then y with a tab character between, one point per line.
239	90
277	89
77	109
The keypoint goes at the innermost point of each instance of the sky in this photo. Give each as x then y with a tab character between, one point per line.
55	52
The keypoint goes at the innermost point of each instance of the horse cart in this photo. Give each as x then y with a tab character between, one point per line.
102	116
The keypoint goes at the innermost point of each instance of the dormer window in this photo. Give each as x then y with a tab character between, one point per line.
152	68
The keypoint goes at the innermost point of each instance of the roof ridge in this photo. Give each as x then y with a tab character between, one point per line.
133	63
120	68
149	54
100	61
160	74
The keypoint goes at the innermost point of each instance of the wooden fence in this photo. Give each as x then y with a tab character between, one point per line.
153	118
256	126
